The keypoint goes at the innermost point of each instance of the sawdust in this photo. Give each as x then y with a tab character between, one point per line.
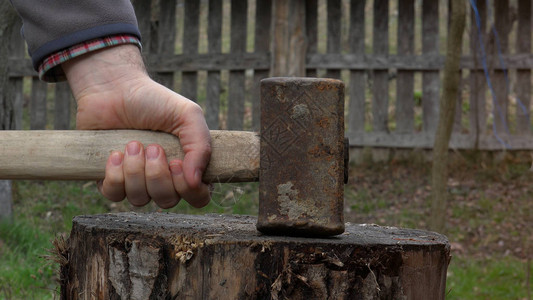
185	247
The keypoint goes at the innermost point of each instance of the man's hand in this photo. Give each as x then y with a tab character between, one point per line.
113	91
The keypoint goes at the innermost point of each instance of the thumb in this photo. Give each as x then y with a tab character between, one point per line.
195	141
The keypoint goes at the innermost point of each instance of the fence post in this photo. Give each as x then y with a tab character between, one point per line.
289	43
8	20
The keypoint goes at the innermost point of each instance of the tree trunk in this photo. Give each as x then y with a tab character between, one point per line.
169	256
446	116
7	20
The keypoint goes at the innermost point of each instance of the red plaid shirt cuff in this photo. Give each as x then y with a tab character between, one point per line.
50	69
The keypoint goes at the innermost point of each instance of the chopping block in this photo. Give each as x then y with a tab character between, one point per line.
171	256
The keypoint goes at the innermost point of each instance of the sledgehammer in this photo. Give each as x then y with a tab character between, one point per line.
298	158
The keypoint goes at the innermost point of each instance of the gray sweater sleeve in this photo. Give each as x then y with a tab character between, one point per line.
52	25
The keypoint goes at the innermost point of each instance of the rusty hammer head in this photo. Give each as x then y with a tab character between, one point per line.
301	189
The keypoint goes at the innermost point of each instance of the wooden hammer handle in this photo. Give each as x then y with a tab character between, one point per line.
82	155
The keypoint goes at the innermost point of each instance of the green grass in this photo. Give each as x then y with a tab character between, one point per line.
44	210
24	273
486	279
366	203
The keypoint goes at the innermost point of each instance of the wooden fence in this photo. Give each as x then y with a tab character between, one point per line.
389	53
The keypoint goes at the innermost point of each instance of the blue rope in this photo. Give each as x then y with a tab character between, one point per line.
495	105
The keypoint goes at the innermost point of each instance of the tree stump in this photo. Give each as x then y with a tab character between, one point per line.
170	256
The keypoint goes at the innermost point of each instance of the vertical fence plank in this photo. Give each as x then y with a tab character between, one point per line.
477	114
311	31
356	117
38	104
236	94
501	24
214	45
297	39
263	10
430	79
15	92
523	76
380	102
166	38
280	48
189	80
62	106
405	80
334	33
9	24
143	10
289	48
166	34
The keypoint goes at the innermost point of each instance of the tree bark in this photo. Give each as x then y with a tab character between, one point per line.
7	21
450	84
169	256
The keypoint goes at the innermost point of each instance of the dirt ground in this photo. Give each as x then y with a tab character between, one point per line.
490	210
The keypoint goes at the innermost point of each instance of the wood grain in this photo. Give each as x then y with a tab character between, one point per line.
478	85
356	117
261	61
82	155
334	13
380	85
311	32
62	106
426	140
523	75
166	38
498	79
9	117
261	45
430	79
405	81
38	104
191	27
171	256
289	45
236	85
214	45
143	11
14	89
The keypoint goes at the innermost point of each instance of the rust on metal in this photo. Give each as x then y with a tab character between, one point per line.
302	157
